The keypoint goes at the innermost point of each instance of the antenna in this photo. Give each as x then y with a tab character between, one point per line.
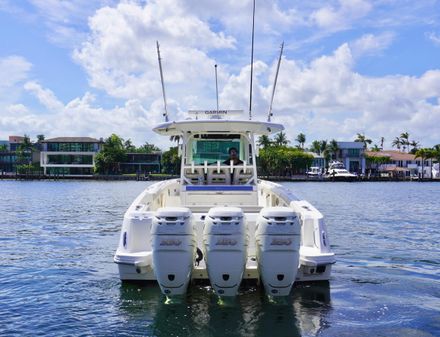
252	63
216	86
270	114
165	113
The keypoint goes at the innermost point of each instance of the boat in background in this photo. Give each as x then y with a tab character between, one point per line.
337	171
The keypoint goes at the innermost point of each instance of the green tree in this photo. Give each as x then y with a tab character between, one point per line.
301	139
128	146
415	146
108	160
397	143
375	148
281	139
171	161
316	147
3	147
361	138
422	153
404	139
333	148
264	141
148	148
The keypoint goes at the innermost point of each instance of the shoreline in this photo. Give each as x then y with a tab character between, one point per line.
299	178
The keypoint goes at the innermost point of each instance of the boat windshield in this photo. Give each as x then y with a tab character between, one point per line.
214	147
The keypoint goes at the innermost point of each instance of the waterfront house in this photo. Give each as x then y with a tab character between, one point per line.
351	154
11	157
69	156
144	163
399	164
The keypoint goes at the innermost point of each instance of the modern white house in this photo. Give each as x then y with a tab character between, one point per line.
69	156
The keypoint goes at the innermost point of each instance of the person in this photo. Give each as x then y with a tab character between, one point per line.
233	156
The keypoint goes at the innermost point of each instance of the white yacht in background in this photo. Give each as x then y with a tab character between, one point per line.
337	171
218	221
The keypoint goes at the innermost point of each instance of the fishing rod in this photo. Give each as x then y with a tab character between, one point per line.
165	113
270	114
252	63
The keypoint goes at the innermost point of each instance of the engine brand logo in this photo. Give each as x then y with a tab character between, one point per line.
170	242
226	242
281	242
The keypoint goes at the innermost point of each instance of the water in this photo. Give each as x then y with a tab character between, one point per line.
57	277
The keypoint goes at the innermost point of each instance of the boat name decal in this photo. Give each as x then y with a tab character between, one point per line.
170	242
281	242
226	242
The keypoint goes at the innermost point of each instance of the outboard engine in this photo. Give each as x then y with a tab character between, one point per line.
225	240
173	246
277	244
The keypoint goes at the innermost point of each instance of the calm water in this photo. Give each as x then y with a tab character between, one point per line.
57	276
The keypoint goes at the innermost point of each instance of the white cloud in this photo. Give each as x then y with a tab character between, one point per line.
341	17
14	70
435	38
372	44
120	54
46	97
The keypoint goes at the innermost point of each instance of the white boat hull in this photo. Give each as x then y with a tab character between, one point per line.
134	254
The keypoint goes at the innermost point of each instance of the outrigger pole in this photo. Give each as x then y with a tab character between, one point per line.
165	113
252	63
270	114
216	86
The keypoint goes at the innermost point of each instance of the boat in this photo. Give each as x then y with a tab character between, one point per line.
314	171
337	171
218	222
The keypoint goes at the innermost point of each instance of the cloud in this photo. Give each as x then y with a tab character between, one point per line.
46	97
370	44
342	17
14	70
434	38
119	55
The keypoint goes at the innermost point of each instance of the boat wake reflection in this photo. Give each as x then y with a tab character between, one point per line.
146	311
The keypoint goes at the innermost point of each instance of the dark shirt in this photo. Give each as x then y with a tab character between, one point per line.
228	162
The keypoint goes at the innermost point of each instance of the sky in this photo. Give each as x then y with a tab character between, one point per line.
89	67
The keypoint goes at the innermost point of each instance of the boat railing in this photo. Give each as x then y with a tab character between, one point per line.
218	174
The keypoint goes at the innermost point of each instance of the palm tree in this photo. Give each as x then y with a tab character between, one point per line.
333	148
128	145
264	141
375	148
415	145
382	139
362	139
40	138
421	153
404	137
301	139
430	155
281	139
397	143
316	147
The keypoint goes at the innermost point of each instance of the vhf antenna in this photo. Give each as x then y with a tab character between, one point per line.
252	63
165	113
216	86
270	114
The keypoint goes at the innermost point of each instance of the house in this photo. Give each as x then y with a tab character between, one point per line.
399	164
10	156
351	154
69	155
141	163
